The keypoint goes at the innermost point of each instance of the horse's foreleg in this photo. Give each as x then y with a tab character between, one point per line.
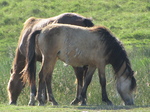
103	86
87	81
79	72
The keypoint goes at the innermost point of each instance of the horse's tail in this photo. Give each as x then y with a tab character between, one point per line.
29	72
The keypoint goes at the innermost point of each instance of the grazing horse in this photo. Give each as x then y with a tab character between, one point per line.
79	46
15	84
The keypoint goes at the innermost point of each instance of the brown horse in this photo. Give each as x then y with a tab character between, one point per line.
15	84
80	46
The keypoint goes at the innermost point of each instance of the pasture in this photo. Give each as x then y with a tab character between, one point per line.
64	108
128	20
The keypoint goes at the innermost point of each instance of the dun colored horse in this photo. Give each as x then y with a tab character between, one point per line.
78	47
15	84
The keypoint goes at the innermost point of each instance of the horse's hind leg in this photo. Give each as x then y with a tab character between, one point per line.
79	72
40	88
103	86
44	94
33	88
49	88
45	76
32	95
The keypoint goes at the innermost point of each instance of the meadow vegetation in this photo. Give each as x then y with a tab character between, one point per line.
129	20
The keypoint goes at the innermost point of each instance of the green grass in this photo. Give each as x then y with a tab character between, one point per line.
64	87
6	108
128	20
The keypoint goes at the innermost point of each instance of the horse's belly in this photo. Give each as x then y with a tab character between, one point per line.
72	58
73	62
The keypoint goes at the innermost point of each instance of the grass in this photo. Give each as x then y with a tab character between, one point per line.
6	108
128	20
64	86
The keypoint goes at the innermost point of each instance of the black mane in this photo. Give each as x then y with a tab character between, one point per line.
115	53
114	50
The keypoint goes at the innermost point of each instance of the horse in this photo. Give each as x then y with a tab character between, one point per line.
78	46
15	84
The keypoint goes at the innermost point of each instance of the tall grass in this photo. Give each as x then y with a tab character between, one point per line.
64	86
141	63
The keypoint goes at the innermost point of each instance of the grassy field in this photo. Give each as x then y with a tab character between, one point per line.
129	20
73	109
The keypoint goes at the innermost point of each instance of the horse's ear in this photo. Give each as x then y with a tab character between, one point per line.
88	23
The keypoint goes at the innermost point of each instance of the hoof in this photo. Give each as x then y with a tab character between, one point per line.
75	102
41	104
12	103
54	103
31	104
83	104
129	103
109	103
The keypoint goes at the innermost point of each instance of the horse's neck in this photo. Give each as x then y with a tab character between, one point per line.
122	69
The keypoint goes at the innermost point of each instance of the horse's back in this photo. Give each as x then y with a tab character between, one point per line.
33	24
74	19
72	44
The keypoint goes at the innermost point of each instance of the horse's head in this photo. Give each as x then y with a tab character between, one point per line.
14	87
126	84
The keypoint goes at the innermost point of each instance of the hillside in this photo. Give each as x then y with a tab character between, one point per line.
128	20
